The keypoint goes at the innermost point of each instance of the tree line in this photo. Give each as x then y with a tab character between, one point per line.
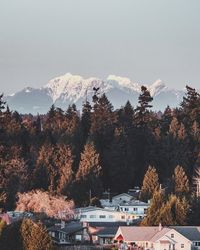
81	154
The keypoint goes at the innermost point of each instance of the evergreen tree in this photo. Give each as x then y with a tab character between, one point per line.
178	209
142	111
120	159
35	236
150	184
191	106
89	173
54	168
86	121
153	213
181	182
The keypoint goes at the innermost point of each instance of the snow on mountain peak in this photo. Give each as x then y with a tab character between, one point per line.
73	87
123	82
157	87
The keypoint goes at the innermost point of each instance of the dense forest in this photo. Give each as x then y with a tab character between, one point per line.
81	153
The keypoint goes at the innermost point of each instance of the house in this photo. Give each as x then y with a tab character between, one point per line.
103	232
134	207
112	203
96	214
156	238
190	232
69	234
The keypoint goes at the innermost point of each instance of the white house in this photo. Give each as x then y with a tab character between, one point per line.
160	238
95	214
113	203
134	207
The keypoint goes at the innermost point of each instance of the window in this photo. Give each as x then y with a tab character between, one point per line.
145	210
135	209
122	217
102	216
92	216
197	244
83	216
182	245
111	216
172	236
126	209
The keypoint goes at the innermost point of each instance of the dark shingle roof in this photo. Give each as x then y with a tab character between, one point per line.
107	232
68	229
190	232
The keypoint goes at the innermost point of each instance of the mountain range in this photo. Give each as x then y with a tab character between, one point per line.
67	89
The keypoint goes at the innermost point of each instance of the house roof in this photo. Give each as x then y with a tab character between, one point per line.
107	232
68	229
137	233
190	232
135	203
160	234
91	208
107	224
123	194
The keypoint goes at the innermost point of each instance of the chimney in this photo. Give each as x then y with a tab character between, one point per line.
160	227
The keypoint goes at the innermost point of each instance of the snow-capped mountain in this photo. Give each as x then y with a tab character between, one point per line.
68	89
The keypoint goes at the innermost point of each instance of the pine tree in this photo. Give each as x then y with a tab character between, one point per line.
181	182
174	127
2	103
89	173
153	213
150	184
142	111
54	168
190	107
35	236
86	121
120	159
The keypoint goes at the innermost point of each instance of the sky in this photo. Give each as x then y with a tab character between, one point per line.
144	40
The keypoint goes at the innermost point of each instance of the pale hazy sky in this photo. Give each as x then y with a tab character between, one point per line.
141	39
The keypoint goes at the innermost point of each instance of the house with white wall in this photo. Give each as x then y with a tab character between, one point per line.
160	238
96	214
136	208
112	203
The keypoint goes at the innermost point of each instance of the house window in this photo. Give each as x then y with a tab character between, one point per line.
102	216
197	244
111	216
122	217
83	216
126	209
92	216
135	209
172	236
182	245
145	210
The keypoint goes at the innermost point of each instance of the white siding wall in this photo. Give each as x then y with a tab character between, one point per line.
102	216
180	240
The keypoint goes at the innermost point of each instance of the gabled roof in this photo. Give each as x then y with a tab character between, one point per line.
135	203
190	232
131	234
107	224
68	229
123	194
160	234
107	232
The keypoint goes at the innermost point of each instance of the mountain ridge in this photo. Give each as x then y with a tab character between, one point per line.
67	89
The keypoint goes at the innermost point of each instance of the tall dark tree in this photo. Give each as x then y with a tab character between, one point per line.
142	110
89	174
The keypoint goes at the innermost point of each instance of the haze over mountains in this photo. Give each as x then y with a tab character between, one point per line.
67	89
